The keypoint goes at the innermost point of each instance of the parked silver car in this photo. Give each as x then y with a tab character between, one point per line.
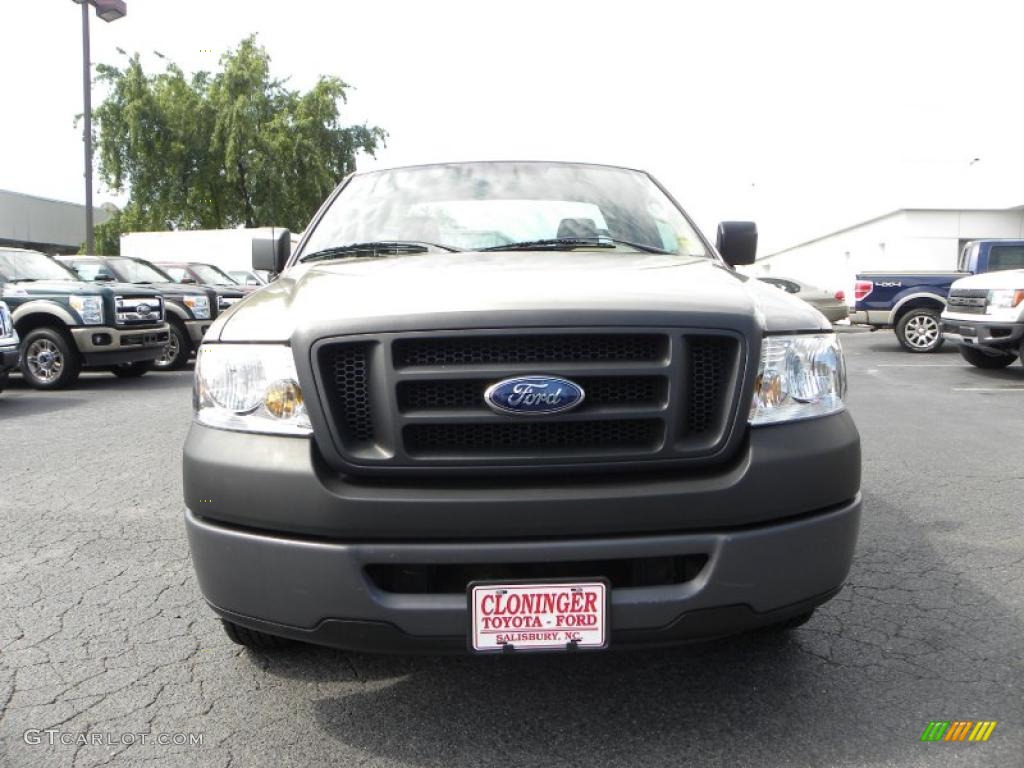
832	304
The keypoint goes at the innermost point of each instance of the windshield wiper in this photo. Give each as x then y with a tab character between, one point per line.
375	248
568	243
30	279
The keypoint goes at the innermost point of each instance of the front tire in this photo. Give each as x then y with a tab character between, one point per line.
251	638
920	330
132	370
175	354
49	359
980	359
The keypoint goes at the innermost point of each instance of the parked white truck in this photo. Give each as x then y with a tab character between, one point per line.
229	249
985	316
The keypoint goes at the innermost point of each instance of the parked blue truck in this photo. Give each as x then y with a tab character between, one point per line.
912	302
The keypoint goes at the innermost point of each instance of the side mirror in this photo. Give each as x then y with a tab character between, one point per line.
271	253
737	242
186	280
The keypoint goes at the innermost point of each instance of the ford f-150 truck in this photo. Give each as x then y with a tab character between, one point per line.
912	302
504	407
66	324
985	315
8	344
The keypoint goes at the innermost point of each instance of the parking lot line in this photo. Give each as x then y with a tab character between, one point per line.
988	389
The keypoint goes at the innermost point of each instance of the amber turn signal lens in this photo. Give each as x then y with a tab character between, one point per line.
283	399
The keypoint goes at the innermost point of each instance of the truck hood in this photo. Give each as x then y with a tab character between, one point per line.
1008	278
79	288
453	290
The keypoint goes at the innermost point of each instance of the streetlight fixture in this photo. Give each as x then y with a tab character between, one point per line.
108	10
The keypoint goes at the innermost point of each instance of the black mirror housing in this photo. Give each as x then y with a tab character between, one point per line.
737	242
271	253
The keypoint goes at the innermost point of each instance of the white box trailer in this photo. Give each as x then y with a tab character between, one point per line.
229	249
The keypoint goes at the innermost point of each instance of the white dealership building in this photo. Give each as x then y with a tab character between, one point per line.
906	239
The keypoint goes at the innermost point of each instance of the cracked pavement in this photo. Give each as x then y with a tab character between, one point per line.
103	631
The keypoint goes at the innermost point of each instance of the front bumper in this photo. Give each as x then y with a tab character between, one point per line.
981	332
318	591
8	358
197	330
281	544
103	345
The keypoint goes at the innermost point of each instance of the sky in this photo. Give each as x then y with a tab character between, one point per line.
805	116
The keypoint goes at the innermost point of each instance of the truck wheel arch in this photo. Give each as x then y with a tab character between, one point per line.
175	310
36	314
917	301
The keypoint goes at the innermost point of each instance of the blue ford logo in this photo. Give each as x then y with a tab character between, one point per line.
530	395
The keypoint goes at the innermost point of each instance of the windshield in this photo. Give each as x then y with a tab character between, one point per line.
132	271
211	275
32	265
471	206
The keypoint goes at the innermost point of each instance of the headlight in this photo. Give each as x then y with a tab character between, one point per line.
90	308
199	306
249	387
799	377
6	324
1005	298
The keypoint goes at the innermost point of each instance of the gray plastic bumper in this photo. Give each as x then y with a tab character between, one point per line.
318	591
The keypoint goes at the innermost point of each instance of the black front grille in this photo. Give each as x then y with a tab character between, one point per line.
453	578
346	369
408	401
468	394
524	438
504	350
708	371
968	301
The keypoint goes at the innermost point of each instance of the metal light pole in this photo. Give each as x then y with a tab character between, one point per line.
108	10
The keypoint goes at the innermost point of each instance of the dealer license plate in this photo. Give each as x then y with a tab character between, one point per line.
549	616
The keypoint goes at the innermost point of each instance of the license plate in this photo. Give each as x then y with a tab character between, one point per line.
538	616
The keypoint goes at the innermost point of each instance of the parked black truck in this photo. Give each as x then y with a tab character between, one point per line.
67	324
190	308
508	407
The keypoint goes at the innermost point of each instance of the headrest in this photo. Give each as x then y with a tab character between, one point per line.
584	229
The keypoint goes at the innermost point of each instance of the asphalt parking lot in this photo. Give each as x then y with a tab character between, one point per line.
102	630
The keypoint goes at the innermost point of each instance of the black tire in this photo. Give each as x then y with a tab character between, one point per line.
49	359
179	347
132	370
251	638
920	330
791	623
980	359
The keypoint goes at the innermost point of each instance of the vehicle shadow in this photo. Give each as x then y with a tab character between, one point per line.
855	686
89	381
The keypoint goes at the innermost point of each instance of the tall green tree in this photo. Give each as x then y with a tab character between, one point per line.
223	149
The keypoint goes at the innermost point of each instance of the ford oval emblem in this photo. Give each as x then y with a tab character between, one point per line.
143	309
534	395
